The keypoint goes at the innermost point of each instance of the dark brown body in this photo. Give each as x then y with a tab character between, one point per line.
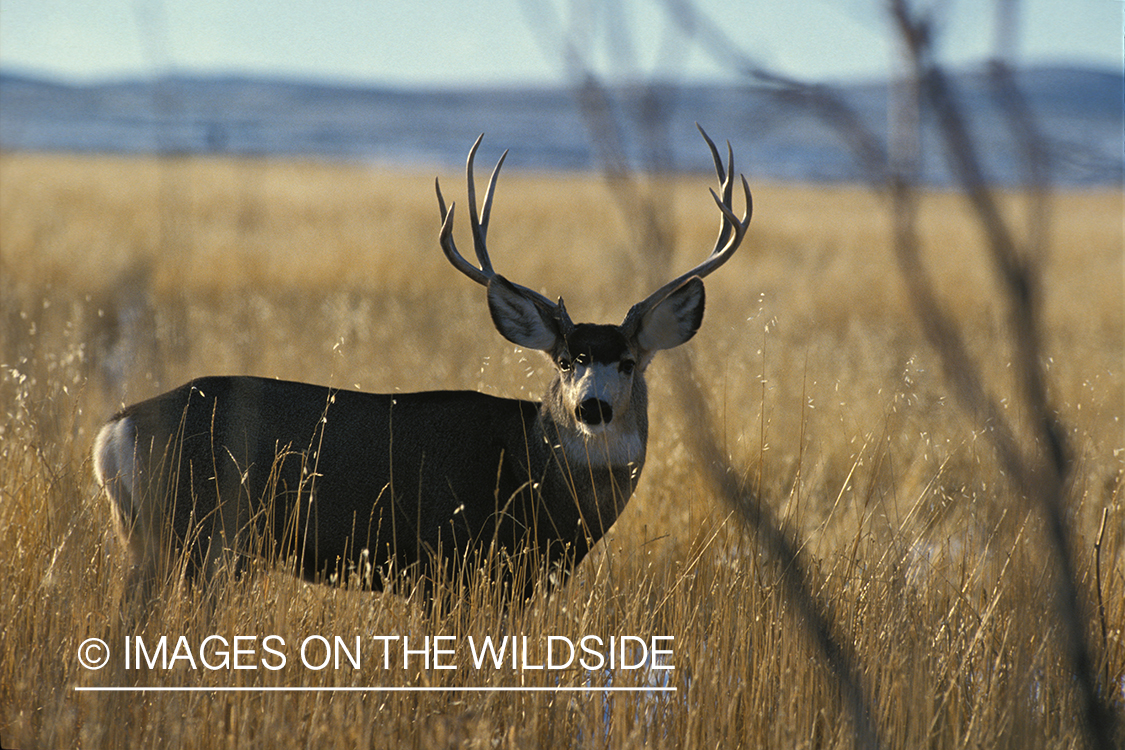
355	483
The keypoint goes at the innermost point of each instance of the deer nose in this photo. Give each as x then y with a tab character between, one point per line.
594	411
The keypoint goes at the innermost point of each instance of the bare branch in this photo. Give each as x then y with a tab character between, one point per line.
1040	472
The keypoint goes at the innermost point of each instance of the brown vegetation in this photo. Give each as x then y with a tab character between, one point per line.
120	278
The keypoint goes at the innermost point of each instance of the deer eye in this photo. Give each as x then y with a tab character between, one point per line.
627	366
566	364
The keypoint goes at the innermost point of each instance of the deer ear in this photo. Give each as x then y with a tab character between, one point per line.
519	318
674	319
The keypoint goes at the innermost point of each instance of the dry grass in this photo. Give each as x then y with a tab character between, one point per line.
120	278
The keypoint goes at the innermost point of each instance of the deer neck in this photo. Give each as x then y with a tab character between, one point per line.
598	468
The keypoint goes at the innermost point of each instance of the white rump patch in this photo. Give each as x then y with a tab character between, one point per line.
115	463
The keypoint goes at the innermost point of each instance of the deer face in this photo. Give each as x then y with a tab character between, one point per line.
598	398
596	366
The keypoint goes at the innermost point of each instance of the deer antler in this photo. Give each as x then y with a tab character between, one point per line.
479	224
731	231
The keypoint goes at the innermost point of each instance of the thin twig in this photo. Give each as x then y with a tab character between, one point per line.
1098	581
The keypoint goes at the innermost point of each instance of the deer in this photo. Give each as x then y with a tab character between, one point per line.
345	483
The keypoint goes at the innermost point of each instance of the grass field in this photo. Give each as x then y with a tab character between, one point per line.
120	278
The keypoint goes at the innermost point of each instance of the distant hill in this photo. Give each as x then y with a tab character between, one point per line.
1079	110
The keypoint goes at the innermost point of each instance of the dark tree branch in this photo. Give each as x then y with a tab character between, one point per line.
1040	472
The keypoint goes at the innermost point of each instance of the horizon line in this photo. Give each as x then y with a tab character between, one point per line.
17	69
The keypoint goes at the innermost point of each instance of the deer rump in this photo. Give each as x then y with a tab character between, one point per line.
347	482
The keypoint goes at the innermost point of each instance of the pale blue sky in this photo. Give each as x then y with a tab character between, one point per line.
435	42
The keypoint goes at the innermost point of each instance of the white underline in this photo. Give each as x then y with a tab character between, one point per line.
388	689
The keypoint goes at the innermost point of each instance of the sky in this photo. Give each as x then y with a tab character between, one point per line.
437	43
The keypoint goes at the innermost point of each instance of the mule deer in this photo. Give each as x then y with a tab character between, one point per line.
346	481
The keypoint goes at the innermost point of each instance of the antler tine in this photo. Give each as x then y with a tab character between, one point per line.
732	225
445	239
479	226
726	185
714	151
479	222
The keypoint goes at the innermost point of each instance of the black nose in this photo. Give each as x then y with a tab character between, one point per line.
595	411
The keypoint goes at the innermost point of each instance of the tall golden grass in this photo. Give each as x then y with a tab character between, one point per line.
122	277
